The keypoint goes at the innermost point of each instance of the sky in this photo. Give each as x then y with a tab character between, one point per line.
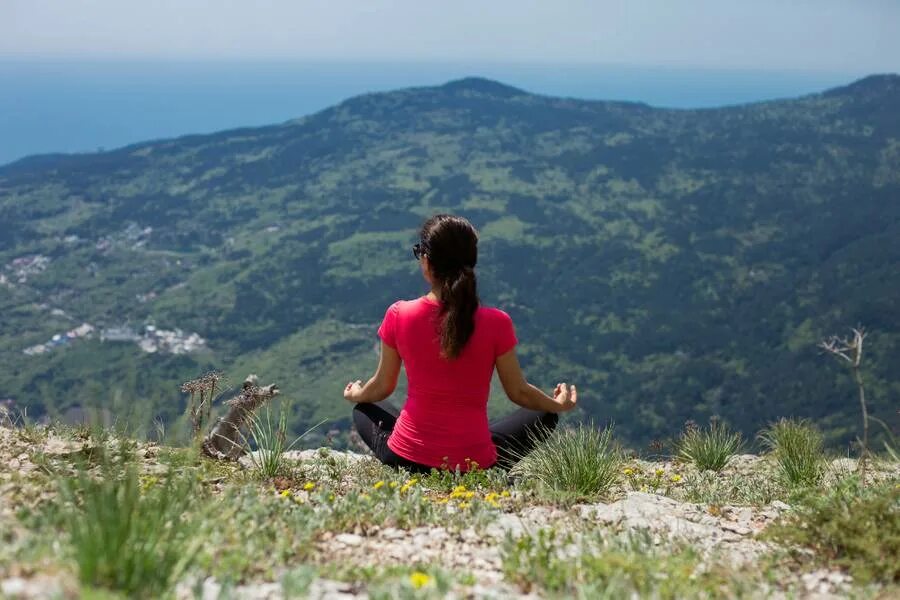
860	36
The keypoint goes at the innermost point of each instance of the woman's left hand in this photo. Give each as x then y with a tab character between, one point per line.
353	390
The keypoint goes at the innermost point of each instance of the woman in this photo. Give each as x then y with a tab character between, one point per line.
451	346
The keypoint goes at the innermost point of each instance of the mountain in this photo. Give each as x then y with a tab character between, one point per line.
676	264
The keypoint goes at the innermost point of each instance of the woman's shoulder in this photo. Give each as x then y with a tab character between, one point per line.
494	314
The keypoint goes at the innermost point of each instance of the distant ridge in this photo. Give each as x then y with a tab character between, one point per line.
878	83
483	86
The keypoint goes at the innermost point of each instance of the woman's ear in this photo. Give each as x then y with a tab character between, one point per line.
426	270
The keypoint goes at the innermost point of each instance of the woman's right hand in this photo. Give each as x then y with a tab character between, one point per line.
565	396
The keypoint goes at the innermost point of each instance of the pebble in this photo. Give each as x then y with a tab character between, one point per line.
348	539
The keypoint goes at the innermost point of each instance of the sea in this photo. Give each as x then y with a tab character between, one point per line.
88	106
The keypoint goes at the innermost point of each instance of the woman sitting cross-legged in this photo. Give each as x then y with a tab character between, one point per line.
450	346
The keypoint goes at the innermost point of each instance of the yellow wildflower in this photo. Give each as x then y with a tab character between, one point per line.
412	481
628	471
464	504
309	486
419	579
676	478
504	494
286	493
378	485
660	472
392	484
491	497
470	495
459	492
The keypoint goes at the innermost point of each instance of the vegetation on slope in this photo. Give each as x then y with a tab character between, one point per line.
675	264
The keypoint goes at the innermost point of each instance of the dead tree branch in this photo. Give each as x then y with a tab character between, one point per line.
851	352
225	440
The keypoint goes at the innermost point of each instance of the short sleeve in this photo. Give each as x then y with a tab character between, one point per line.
505	339
388	329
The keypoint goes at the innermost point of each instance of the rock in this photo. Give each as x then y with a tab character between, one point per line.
348	539
212	589
736	528
42	586
743	463
392	533
505	524
14	587
843	466
327	589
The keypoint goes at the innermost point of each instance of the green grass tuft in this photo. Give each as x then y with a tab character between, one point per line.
708	449
580	462
129	533
269	435
798	448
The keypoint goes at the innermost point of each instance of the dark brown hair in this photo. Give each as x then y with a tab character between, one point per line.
451	245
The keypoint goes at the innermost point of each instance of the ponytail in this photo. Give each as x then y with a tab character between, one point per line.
459	294
451	245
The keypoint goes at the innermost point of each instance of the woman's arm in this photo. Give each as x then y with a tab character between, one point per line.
382	383
526	395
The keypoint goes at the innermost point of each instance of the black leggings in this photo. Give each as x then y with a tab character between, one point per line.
514	435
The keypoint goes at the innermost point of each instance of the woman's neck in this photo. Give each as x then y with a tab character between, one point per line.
434	294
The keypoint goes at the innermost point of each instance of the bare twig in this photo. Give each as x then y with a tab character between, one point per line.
851	352
202	391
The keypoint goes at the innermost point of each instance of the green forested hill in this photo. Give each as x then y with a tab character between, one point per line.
676	264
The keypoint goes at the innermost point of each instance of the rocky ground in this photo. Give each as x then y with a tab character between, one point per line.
658	500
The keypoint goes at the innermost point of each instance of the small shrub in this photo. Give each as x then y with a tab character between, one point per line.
581	462
127	534
717	489
798	448
851	527
709	449
476	479
598	564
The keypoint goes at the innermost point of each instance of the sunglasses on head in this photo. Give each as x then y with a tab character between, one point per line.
419	250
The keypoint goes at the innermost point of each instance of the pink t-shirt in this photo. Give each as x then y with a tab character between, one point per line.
444	421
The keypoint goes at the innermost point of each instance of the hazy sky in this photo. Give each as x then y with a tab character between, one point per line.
832	35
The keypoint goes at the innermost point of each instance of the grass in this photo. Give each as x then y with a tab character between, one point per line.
141	518
799	449
850	527
582	462
270	438
597	564
127	533
708	449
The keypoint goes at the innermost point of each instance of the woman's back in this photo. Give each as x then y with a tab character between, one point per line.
444	421
450	345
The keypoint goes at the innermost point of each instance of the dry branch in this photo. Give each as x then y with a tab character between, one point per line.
850	351
225	440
